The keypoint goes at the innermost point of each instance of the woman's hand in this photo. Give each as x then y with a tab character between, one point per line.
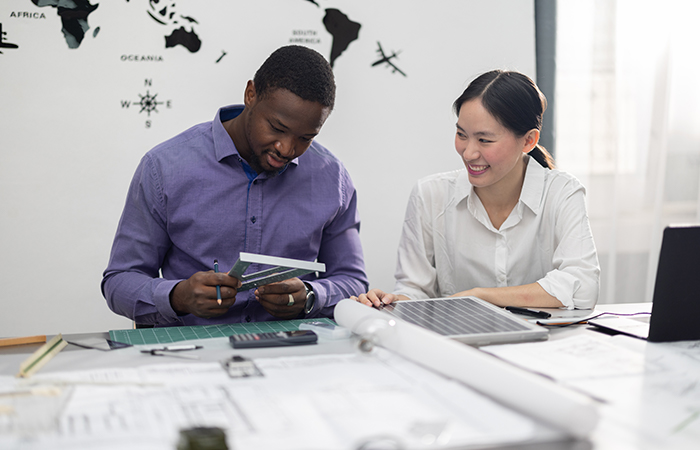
378	298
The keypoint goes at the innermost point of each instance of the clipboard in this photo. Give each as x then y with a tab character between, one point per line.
283	269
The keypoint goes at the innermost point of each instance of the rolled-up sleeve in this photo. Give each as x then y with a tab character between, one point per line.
575	279
416	274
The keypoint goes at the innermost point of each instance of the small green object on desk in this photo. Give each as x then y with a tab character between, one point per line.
165	335
202	438
41	356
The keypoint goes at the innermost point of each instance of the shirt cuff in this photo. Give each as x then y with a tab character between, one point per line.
161	299
562	286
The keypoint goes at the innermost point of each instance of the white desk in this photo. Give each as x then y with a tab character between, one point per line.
649	392
638	411
259	413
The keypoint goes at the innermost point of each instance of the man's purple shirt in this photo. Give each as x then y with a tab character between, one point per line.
190	202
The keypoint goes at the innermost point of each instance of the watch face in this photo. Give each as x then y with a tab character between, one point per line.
310	300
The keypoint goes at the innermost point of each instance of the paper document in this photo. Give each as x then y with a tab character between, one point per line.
580	356
648	390
313	402
630	327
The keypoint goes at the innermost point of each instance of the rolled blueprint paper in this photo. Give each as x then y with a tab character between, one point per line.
519	389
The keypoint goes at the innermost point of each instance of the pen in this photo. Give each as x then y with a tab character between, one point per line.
529	312
179	348
156	352
218	288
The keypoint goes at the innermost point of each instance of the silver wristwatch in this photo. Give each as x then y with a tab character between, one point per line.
310	299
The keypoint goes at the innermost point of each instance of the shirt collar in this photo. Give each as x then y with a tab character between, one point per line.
533	186
530	195
223	144
463	187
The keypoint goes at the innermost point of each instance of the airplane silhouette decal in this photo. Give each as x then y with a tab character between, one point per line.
4	44
387	60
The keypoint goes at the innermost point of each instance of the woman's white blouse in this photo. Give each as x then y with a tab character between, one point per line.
449	245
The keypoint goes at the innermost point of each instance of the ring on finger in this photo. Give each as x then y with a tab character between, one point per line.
291	300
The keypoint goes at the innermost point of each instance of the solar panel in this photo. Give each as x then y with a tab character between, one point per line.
467	319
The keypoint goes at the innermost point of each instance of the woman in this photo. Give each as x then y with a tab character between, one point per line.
509	228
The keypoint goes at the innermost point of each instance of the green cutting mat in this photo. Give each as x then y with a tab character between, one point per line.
165	335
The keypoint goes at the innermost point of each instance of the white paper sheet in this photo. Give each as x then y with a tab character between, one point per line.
311	402
650	392
580	356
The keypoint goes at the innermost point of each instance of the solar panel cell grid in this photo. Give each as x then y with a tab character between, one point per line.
457	316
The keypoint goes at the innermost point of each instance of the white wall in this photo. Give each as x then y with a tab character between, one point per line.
68	148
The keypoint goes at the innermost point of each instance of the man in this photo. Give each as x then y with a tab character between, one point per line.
252	180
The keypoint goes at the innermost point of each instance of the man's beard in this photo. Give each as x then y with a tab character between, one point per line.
256	165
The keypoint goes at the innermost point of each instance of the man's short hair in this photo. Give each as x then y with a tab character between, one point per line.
300	70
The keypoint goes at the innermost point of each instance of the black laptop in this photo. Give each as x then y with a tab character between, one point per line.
675	313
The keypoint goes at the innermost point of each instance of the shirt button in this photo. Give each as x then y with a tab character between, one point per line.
247	318
253	219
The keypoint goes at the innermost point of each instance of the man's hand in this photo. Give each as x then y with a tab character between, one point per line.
276	298
197	294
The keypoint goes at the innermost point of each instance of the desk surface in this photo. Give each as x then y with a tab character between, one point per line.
637	409
399	402
649	394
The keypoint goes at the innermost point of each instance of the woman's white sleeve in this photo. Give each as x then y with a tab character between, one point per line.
415	275
575	279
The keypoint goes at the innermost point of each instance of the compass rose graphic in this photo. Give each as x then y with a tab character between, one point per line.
148	103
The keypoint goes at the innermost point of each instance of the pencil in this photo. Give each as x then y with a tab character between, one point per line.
22	340
218	288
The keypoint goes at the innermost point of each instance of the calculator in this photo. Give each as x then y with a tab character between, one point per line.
274	339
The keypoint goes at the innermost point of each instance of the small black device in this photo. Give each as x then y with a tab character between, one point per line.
274	339
529	312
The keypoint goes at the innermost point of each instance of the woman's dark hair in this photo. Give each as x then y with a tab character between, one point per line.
301	70
515	101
